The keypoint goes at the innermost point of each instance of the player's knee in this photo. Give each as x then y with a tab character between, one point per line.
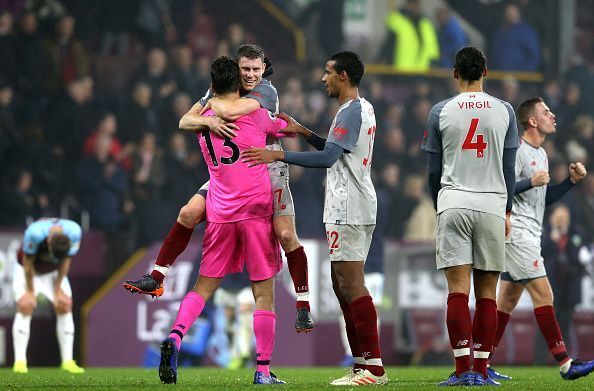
287	239
191	215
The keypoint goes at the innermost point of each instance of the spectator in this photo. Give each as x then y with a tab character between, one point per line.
585	206
12	147
202	37
514	45
186	77
107	127
416	45
187	171
32	66
8	59
148	178
156	74
389	182
582	141
103	187
68	58
422	221
450	35
114	22
153	21
21	201
561	242
137	114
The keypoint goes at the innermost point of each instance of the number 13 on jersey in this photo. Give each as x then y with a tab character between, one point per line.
479	145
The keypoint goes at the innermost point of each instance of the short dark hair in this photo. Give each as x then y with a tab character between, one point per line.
60	245
470	63
224	75
351	64
526	110
251	51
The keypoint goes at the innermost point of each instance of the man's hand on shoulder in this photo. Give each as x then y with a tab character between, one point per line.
293	127
255	156
577	172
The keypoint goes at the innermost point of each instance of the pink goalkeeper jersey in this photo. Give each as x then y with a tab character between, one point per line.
238	192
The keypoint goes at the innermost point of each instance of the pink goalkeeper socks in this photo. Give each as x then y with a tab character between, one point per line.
264	330
189	310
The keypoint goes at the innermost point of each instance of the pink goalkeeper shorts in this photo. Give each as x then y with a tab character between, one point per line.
227	246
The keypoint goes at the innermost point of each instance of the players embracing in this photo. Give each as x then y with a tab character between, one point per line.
256	92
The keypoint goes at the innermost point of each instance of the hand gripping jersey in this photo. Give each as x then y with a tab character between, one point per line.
471	130
350	195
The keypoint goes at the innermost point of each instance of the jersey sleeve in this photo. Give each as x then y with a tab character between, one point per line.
432	135
33	237
270	124
521	163
204	100
347	127
266	95
74	233
512	139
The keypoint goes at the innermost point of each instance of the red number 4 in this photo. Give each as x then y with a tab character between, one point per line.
479	145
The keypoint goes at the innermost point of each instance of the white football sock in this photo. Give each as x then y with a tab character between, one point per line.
65	333
21	329
565	367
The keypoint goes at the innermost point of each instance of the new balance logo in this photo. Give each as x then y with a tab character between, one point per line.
462	342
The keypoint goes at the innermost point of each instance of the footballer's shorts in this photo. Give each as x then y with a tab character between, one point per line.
43	284
523	263
348	242
228	246
469	237
281	193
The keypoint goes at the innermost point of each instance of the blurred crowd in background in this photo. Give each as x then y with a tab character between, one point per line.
91	94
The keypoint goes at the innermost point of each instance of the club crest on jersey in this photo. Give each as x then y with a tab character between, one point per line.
425	135
339	133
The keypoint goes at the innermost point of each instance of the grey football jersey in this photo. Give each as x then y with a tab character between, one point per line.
471	130
350	195
529	205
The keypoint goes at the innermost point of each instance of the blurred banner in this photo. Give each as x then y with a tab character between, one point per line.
412	314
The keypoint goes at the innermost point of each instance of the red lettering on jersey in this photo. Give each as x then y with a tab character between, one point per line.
255	93
339	133
470	105
461	105
533	163
535	264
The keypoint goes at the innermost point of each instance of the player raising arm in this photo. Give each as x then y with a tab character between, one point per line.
523	260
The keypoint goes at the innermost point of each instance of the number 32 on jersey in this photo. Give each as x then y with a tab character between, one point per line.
480	144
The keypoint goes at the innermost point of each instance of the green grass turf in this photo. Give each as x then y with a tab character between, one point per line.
402	378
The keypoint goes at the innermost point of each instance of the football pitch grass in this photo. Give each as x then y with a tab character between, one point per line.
402	378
